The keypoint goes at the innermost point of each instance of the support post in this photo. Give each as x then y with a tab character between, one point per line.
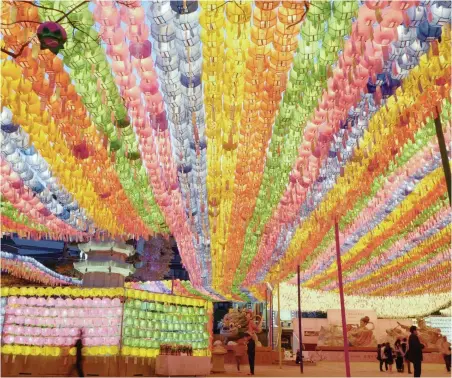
443	151
341	294
266	313
299	320
279	330
271	321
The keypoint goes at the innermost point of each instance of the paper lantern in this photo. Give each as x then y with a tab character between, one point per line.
52	36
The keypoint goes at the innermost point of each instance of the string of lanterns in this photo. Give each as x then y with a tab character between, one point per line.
244	129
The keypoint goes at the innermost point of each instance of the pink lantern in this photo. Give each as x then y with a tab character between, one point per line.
138	33
140	50
33	301
376	4
41	302
78	302
391	18
59	341
87	302
20	340
107	16
60	302
9	339
132	16
88	341
112	35
106	302
39	341
22	301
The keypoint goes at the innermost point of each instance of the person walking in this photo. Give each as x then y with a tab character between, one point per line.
415	351
384	360
379	356
399	355
251	352
445	350
79	357
240	350
389	352
404	346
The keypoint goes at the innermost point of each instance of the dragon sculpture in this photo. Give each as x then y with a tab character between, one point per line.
237	321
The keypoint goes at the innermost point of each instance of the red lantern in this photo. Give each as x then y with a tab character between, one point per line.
52	36
140	50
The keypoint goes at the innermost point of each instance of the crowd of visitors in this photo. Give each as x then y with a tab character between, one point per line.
406	352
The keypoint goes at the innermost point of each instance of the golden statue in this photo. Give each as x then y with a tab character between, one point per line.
358	336
361	336
429	336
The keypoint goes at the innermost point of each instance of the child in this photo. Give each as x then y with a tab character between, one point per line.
240	351
389	352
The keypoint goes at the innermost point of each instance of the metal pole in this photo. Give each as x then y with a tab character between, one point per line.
341	294
279	330
266	312
271	320
299	319
443	151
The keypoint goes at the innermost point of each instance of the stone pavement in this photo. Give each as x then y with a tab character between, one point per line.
330	369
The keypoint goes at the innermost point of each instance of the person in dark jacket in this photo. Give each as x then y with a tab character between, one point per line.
389	352
251	352
415	351
379	356
399	355
79	358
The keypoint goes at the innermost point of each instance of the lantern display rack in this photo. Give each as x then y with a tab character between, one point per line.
151	324
48	321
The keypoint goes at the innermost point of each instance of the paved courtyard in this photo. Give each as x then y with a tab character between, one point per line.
331	369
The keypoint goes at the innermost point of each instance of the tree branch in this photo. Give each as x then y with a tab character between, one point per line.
21	21
45	8
65	15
